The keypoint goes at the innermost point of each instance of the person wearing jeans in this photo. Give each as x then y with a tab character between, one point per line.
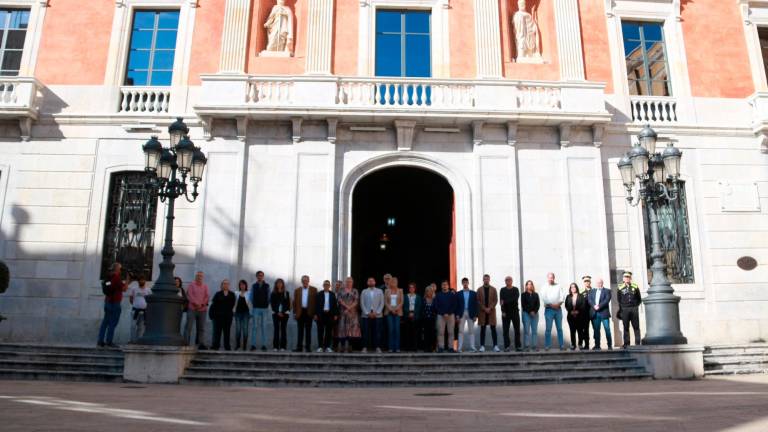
393	309
371	305
198	295
259	310
529	302
242	316
552	297
112	298
599	299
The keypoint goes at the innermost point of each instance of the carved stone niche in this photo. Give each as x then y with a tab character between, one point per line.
279	30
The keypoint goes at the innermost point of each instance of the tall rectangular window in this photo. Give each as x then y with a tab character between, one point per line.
403	43
675	238
13	32
762	33
646	59
153	46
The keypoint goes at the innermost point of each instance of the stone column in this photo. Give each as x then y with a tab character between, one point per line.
319	37
569	40
487	38
234	37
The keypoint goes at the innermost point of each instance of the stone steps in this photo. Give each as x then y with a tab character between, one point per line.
60	363
736	359
382	370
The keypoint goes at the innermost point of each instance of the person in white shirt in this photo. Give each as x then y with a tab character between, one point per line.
137	295
371	305
552	297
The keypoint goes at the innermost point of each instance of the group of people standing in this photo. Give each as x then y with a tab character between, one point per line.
386	317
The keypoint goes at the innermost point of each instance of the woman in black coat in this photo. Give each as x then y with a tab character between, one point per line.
221	313
280	302
574	306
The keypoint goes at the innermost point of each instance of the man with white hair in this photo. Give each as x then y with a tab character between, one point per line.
599	300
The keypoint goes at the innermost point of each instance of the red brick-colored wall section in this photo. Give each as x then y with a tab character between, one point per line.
594	37
206	39
74	42
346	21
718	62
258	40
543	12
461	25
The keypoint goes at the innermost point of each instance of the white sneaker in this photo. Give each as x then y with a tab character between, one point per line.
328	350
482	349
378	350
364	351
319	350
496	349
472	349
458	350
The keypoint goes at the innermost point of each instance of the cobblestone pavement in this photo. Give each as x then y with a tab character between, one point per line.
712	404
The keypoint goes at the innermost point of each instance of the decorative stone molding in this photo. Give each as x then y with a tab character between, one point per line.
404	134
598	131
234	37
242	127
332	124
565	134
477	132
296	129
610	6
487	39
511	133
319	37
569	49
207	123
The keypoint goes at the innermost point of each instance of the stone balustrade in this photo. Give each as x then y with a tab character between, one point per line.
653	109
19	100
144	100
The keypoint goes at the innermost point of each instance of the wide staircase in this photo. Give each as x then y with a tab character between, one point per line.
397	370
736	359
61	363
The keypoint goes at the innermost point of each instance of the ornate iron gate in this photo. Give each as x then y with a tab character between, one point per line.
675	238
129	235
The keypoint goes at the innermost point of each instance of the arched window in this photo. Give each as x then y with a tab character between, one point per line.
129	233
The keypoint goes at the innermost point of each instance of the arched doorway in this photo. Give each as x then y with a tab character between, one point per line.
403	224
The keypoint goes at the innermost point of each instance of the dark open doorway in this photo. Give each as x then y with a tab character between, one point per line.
402	223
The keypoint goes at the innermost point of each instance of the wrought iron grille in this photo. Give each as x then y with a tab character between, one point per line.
675	238
129	235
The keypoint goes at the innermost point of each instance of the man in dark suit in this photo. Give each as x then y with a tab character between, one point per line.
304	300
412	305
466	314
326	315
599	299
509	297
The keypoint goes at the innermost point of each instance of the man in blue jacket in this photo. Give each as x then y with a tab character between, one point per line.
599	299
466	313
445	307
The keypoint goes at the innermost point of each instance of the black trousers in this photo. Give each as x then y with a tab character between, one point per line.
429	334
630	315
494	336
587	323
576	325
280	335
304	331
512	317
221	326
410	334
325	330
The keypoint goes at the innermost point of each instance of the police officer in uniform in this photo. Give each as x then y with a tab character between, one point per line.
629	302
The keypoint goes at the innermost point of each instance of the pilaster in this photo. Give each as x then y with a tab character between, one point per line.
487	39
569	49
319	37
234	38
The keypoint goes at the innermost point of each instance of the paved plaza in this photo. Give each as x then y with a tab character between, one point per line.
712	404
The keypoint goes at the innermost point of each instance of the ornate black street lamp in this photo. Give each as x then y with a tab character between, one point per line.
657	176
170	172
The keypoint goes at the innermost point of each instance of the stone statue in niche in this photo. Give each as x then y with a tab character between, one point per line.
279	27
526	35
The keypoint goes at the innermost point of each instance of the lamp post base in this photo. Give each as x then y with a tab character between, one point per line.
163	320
662	318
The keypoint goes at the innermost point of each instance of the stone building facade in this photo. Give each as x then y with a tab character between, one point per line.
296	102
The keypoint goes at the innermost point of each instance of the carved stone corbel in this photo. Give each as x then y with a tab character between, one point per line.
598	131
404	134
762	140
511	133
565	135
332	123
745	12
609	8
25	126
242	127
207	123
477	132
296	129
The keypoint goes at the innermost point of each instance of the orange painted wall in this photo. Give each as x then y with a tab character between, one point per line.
543	11
461	23
345	37
257	40
594	37
68	24
718	62
206	40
